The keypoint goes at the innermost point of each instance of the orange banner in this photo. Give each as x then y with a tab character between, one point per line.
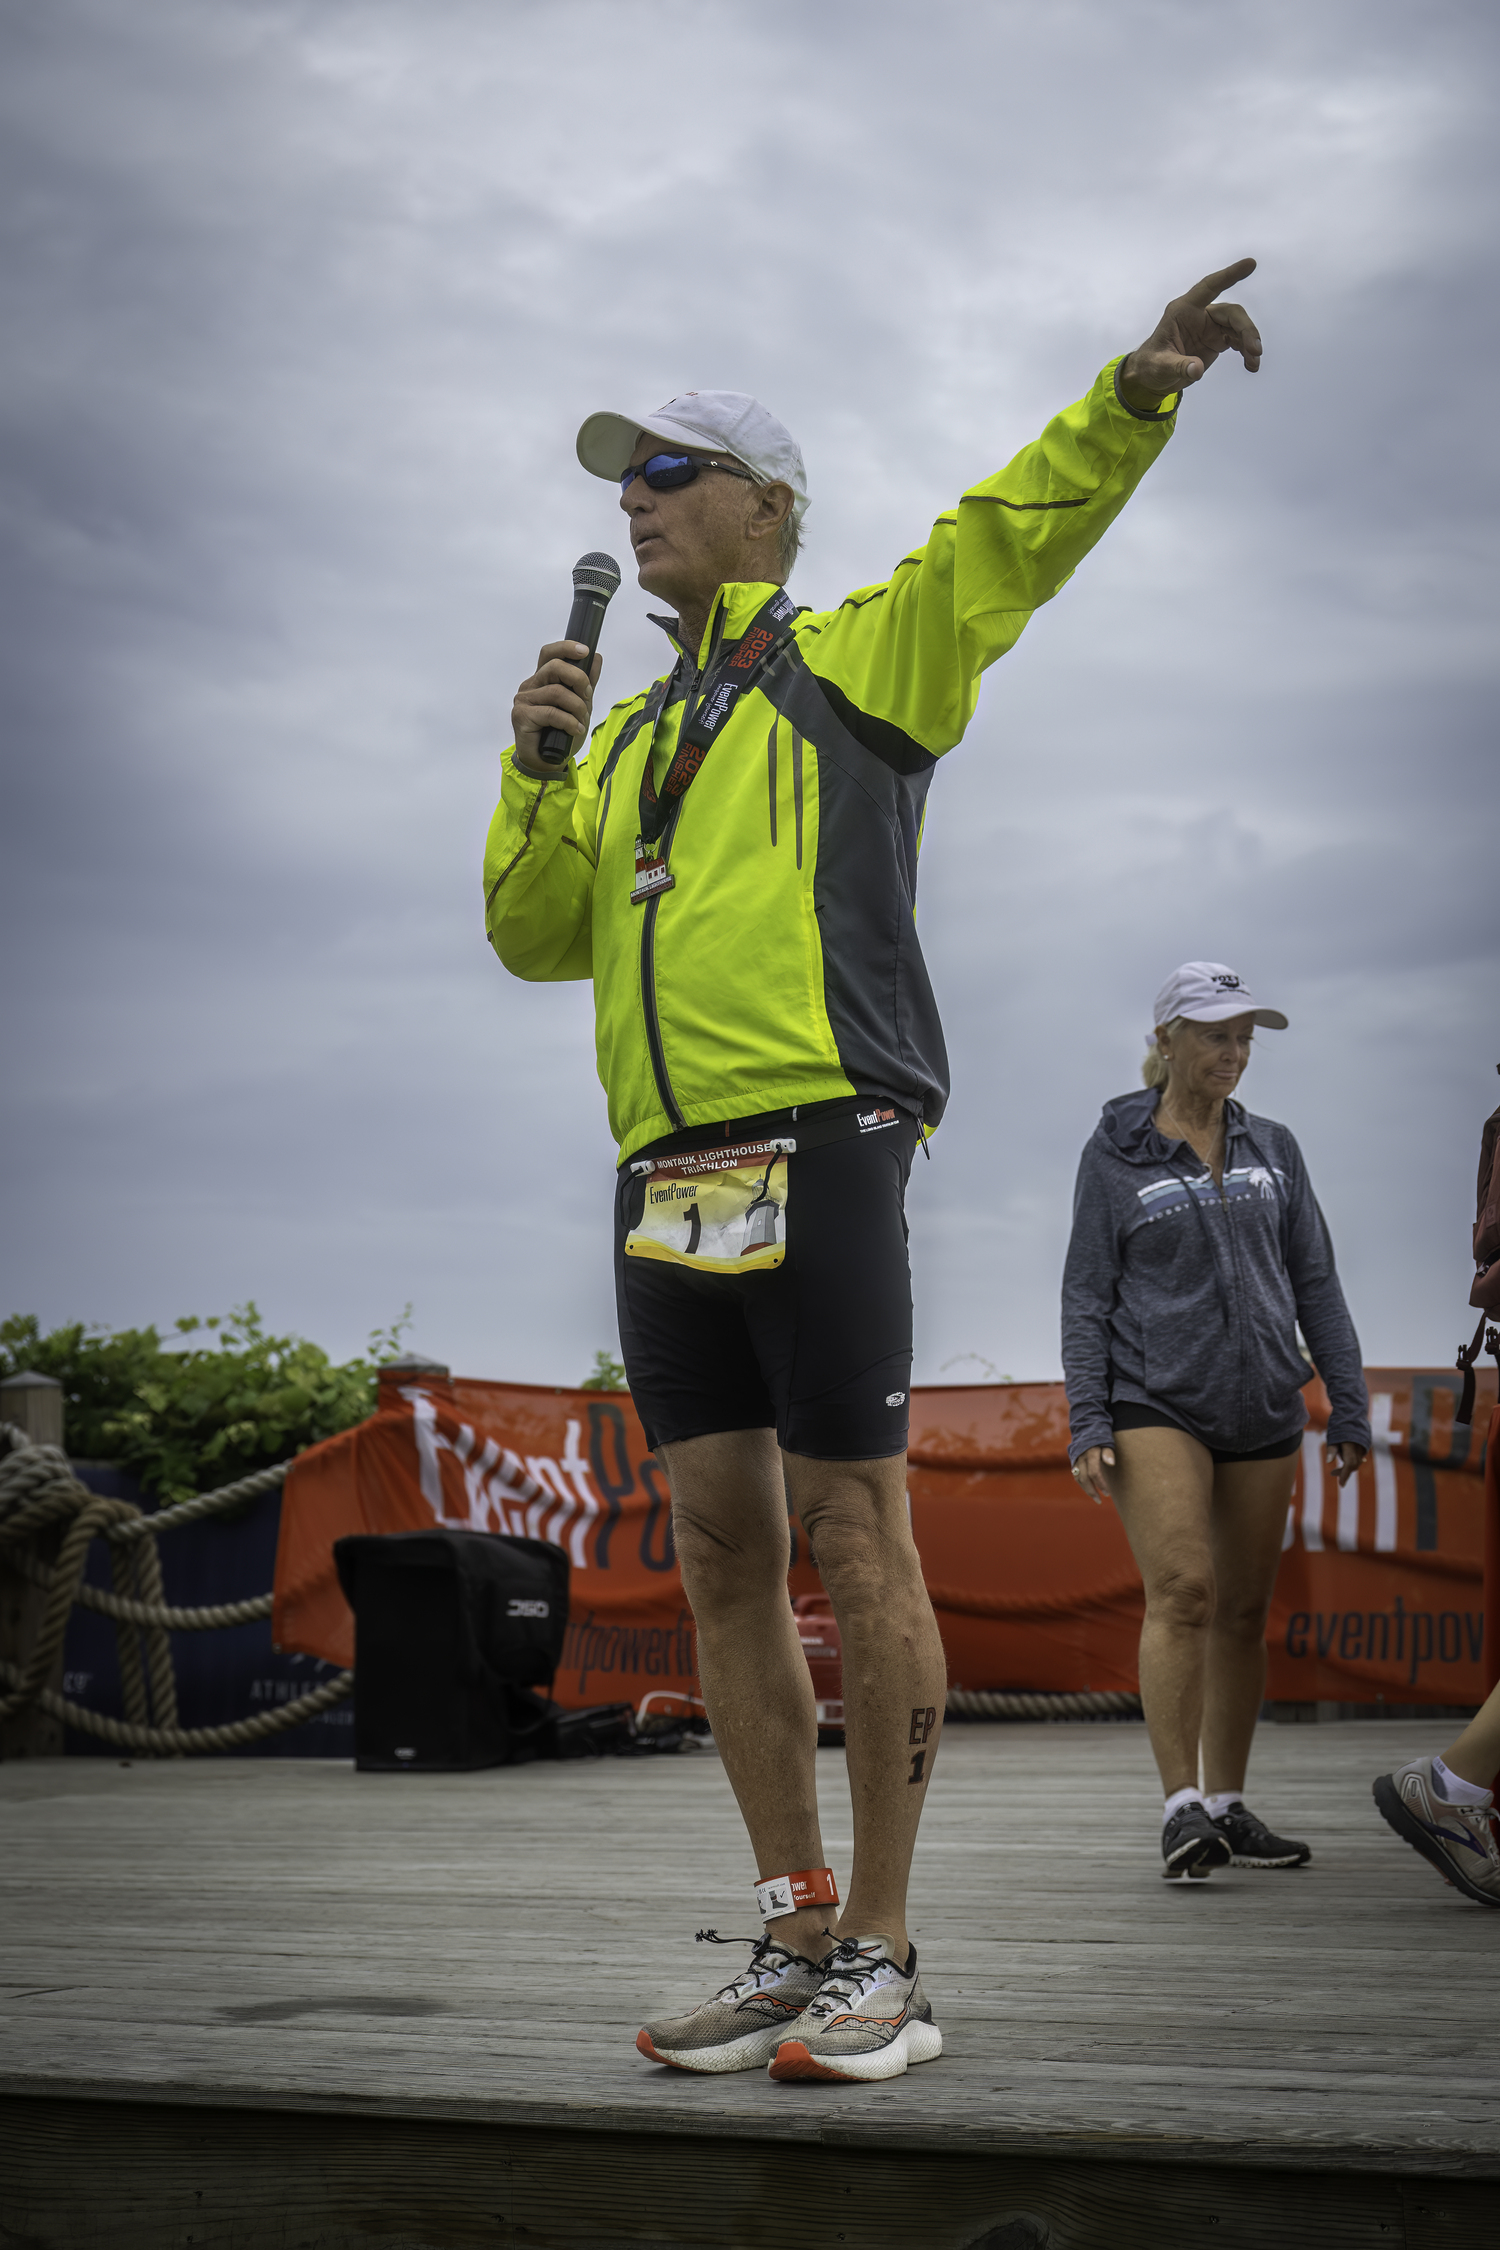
1380	1595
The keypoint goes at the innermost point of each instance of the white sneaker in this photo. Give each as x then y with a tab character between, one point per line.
741	2026
870	2018
1459	1840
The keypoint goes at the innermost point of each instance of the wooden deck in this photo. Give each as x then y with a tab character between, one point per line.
262	2006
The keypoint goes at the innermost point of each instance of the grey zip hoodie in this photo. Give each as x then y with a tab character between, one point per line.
1185	1296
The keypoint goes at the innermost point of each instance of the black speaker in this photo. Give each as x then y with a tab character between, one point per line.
453	1630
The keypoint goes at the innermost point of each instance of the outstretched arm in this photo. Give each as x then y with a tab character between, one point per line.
1188	338
908	655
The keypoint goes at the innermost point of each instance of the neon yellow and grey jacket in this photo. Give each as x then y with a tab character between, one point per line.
783	966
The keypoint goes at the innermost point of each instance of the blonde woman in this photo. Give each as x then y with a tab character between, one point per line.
1198	1250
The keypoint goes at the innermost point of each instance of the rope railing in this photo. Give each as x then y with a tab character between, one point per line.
40	1494
202	1620
205	1504
169	1742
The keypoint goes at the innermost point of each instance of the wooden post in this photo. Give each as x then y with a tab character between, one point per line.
35	1404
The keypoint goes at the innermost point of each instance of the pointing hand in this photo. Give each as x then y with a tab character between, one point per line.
1188	339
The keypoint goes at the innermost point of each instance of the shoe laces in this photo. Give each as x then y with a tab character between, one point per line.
1483	1824
850	1971
758	1970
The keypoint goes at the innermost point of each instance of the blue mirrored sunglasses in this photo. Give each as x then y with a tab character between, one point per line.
664	472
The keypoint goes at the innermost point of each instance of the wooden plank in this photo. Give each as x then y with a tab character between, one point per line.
478	1950
99	2176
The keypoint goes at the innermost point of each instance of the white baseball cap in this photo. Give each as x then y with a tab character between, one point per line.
703	422
1207	992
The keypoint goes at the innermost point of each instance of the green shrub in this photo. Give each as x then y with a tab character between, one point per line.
187	1418
608	1374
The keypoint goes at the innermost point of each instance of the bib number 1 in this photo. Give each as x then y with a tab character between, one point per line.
718	1210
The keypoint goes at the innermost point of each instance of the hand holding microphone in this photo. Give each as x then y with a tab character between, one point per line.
552	709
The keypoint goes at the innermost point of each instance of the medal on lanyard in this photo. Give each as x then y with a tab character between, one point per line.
652	876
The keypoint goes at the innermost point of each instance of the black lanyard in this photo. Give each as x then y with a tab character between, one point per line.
725	682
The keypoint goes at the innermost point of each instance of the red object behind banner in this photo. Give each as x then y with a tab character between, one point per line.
1379	1595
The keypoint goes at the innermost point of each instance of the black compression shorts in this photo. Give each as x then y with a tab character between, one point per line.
817	1348
1126	1414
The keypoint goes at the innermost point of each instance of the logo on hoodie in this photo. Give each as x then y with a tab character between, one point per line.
1171	1194
1158	1197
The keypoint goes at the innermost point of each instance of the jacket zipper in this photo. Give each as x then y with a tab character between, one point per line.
652	906
648	988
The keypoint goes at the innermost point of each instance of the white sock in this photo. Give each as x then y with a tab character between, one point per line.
1456	1790
1221	1800
1177	1800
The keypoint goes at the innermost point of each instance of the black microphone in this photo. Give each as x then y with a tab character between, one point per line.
595	578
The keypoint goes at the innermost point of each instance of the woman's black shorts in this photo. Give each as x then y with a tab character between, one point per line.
1127	1415
817	1348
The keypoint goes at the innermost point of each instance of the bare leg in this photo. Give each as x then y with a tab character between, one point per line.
895	1672
730	1524
729	1516
1475	1756
1248	1524
1163	1489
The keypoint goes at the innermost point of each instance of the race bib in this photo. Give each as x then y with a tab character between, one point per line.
720	1210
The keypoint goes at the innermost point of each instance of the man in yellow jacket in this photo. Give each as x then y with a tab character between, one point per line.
734	863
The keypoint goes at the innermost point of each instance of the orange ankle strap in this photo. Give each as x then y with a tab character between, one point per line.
788	1894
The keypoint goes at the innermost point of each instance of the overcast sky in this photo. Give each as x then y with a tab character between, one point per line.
303	306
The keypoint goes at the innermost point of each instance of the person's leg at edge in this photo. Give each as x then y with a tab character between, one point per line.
1444	1806
895	1673
1475	1755
729	1521
1247	1526
1163	1489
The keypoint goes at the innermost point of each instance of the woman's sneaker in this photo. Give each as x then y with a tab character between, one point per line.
1459	1840
1191	1844
870	2019
741	2026
1253	1844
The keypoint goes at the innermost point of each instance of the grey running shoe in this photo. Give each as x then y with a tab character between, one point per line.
1191	1844
1253	1844
738	2029
1459	1840
870	2019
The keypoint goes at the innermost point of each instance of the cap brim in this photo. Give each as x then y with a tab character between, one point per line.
606	442
1269	1019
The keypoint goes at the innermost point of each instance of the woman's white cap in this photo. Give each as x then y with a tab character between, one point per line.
702	422
1207	992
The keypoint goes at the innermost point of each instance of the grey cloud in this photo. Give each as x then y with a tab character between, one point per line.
304	308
